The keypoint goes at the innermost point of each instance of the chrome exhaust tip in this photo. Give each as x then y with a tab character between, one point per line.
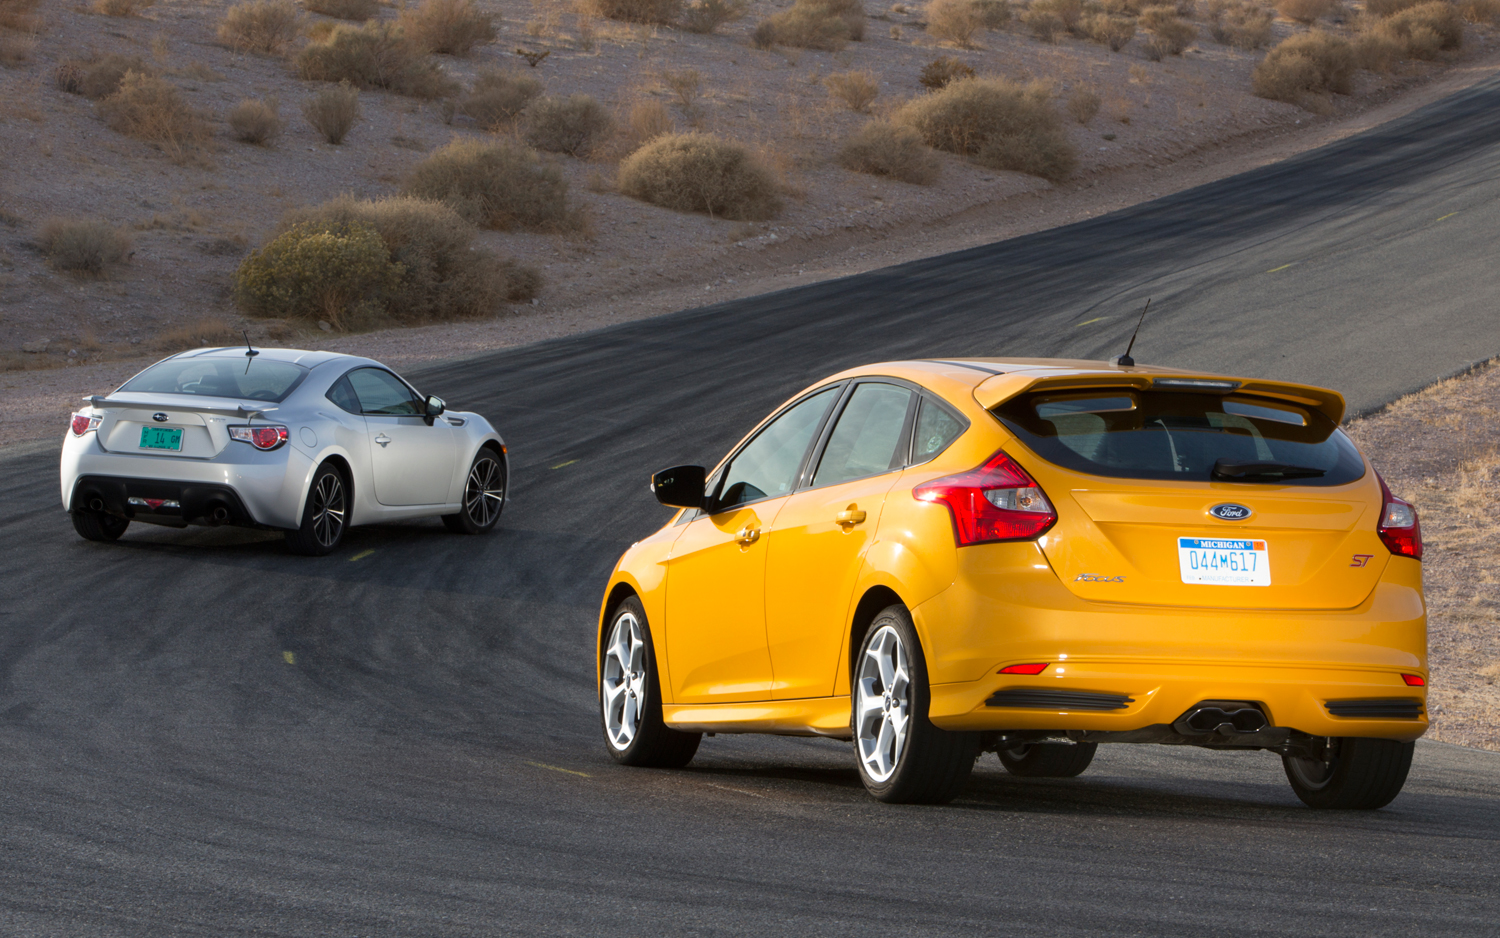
218	515
1222	720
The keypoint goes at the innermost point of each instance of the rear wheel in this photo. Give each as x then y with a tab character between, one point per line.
902	757
97	526
484	496
324	517
1350	773
1048	760
630	697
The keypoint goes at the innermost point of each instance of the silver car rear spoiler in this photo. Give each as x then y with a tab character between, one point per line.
247	411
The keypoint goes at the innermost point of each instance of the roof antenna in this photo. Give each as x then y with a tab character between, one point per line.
250	351
1125	361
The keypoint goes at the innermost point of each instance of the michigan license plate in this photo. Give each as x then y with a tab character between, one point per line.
161	438
1224	561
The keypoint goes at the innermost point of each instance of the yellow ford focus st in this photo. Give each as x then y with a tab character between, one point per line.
938	559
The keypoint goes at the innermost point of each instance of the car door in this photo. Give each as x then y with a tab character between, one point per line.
411	462
715	605
818	541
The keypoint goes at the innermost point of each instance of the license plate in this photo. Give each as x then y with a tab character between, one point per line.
161	438
1224	561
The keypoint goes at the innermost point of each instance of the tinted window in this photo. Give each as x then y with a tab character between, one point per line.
767	466
220	377
866	441
1165	435
381	392
934	430
343	395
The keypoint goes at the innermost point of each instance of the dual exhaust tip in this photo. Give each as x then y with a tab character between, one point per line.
1221	719
218	513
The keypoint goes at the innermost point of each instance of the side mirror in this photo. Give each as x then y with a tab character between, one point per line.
435	408
680	486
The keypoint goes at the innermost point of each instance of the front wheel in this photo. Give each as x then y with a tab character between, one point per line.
630	697
324	517
902	757
1350	773
484	496
1048	760
97	526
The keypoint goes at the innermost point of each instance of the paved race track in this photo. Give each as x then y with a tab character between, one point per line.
200	735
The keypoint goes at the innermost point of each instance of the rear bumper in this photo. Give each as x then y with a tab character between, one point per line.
159	501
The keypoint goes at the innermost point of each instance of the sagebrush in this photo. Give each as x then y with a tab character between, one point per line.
375	55
1166	32
955	21
705	16
883	148
264	26
1425	29
452	27
997	123
699	172
333	111
1109	30
254	121
940	72
84	246
498	97
494	185
855	90
152	109
815	24
1311	63
662	12
574	125
1304	11
340	274
121	7
357	10
1243	25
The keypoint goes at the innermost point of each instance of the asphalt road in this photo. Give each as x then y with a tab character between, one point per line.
200	735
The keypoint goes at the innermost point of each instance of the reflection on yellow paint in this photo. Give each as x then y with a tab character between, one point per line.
288	657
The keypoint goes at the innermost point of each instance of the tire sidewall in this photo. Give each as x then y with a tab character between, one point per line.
485	452
651	706
305	541
897	618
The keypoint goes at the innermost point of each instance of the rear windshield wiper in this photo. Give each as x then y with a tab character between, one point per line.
1228	470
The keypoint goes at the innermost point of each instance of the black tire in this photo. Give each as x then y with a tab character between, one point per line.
1048	759
325	516
97	526
484	495
650	742
927	766
1356	773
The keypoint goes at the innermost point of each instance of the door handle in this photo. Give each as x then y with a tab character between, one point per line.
382	439
850	517
747	535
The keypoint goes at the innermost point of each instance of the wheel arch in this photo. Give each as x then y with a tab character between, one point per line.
875	598
340	462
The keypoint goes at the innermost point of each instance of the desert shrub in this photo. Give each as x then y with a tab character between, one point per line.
882	148
647	120
1425	29
498	97
120	7
1378	53
573	125
1388	7
997	123
20	15
939	73
1307	63
442	275
685	84
357	10
995	14
68	77
1479	12
1239	24
1304	11
101	78
494	185
814	24
1167	34
1123	7
85	246
856	90
333	111
1083	104
1048	20
452	27
256	122
697	172
375	55
340	274
955	21
152	109
705	16
638	11
264	26
1109	30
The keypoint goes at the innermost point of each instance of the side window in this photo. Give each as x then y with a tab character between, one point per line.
767	466
934	430
342	395
867	439
382	393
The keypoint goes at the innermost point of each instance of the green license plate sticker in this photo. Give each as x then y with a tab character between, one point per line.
161	438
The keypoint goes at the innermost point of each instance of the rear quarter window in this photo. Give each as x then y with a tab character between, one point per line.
1133	434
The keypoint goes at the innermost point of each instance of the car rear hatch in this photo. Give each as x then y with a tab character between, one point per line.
189	427
1196	491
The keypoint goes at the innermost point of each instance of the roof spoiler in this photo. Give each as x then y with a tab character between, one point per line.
1331	403
241	410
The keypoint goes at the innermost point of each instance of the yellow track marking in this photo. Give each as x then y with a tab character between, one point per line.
1282	267
361	555
288	657
1090	321
554	768
568	463
1449	215
738	791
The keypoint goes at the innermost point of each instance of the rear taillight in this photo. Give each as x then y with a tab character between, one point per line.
996	502
1414	680
268	437
1399	527
83	423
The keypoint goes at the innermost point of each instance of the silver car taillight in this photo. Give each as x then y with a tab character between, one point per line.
83	423
263	438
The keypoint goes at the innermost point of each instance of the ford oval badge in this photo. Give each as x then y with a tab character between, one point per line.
162	418
1230	512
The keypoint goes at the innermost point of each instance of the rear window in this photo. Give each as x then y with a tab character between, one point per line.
251	379
1130	434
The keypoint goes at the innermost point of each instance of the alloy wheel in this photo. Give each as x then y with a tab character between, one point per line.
328	510
485	493
1312	773
623	683
882	711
